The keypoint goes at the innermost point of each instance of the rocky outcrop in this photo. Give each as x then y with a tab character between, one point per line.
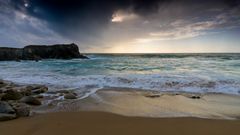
11	95
10	53
6	111
16	100
37	52
6	108
70	96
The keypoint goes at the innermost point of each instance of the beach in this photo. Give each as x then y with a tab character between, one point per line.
131	111
119	67
145	103
99	123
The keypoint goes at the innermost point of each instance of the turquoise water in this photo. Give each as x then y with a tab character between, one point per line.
160	72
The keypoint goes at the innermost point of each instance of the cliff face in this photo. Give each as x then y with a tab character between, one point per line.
10	53
36	52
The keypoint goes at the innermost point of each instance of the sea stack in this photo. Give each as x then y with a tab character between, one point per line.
37	52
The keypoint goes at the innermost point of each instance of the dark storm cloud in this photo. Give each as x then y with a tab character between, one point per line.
89	16
84	20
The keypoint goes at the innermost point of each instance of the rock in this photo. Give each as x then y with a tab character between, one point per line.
10	53
195	97
39	96
40	90
153	95
30	100
37	89
63	91
5	117
1	95
26	92
70	96
6	108
38	52
11	95
21	109
2	84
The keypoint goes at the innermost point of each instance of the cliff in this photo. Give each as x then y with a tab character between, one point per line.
37	52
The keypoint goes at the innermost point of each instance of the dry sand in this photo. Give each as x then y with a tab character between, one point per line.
99	123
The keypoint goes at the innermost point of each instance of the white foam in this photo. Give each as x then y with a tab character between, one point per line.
87	76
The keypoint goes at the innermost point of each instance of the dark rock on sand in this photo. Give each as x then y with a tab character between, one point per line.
30	100
11	95
6	111
5	116
153	95
21	109
195	97
6	108
38	52
70	96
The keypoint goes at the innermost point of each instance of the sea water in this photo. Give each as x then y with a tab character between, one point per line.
160	72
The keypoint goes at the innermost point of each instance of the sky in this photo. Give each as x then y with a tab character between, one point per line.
123	26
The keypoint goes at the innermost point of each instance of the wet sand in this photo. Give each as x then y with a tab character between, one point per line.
100	123
154	104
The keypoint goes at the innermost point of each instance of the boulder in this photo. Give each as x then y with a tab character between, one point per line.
38	52
70	96
6	108
153	95
5	116
37	89
30	100
21	109
25	92
1	95
195	97
40	90
11	95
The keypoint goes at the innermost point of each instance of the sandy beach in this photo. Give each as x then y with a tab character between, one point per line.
99	123
132	111
145	103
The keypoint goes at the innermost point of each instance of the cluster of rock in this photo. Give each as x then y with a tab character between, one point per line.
19	100
16	101
38	52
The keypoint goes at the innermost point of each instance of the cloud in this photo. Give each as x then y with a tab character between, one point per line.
182	29
19	29
102	24
121	16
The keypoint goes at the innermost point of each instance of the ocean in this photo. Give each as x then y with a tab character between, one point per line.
202	73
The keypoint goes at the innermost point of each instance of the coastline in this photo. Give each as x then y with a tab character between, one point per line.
100	123
134	102
129	111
